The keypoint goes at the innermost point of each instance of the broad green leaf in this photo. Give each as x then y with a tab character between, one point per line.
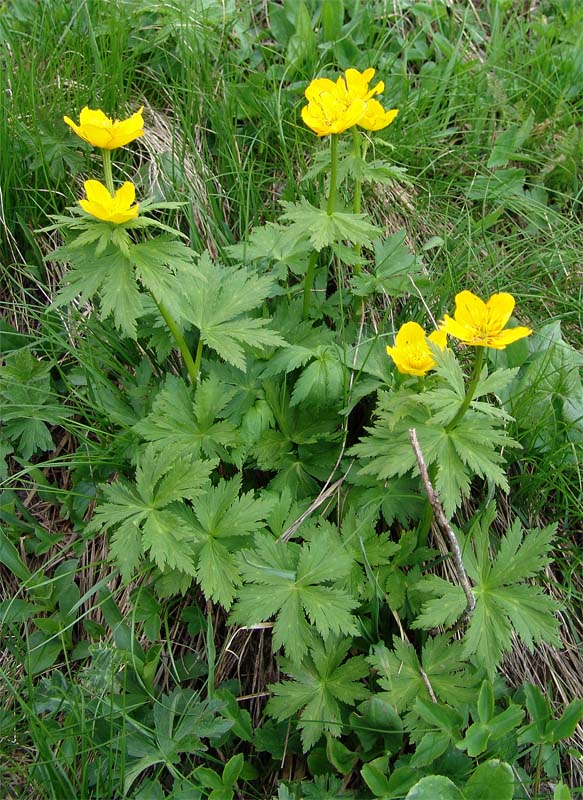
564	727
432	745
486	702
340	756
322	381
435	787
562	792
479	733
376	780
232	769
493	780
378	718
442	717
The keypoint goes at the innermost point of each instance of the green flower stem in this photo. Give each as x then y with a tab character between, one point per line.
311	270
470	390
192	366
333	172
357	200
198	356
309	282
425	524
106	156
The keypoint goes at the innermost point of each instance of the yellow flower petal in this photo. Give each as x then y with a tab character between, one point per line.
439	337
126	194
411	353
357	84
481	324
470	310
499	309
456	329
96	192
100	131
318	86
96	118
409	335
506	337
101	205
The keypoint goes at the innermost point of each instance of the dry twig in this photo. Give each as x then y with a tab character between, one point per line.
443	523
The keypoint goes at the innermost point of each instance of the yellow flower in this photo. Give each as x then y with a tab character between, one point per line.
376	117
480	324
330	109
101	204
101	131
334	107
411	352
356	84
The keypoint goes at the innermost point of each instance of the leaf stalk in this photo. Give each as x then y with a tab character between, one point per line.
192	366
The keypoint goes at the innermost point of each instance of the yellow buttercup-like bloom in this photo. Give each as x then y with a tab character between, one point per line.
411	352
376	117
102	205
101	131
329	109
334	107
481	324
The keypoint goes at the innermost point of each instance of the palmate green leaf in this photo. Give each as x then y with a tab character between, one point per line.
448	368
398	498
300	586
222	523
189	423
110	275
394	268
495	382
303	339
144	514
323	229
267	243
473	447
506	606
168	541
28	403
322	684
400	672
217	300
446	608
322	381
155	262
521	557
